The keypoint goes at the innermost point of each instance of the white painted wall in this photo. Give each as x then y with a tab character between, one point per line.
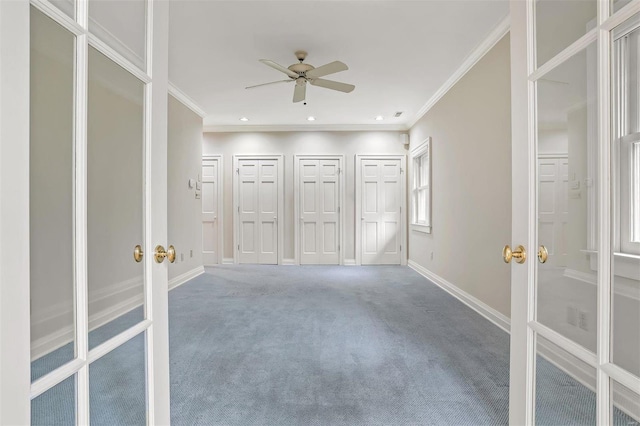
291	143
470	129
185	211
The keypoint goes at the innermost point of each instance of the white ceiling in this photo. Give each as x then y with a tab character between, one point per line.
399	53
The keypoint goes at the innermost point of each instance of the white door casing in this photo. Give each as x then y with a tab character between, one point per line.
380	198
258	205
212	196
318	200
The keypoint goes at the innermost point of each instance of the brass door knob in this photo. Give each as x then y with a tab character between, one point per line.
519	254
138	253
161	253
543	254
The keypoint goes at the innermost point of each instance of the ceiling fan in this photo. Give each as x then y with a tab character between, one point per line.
303	73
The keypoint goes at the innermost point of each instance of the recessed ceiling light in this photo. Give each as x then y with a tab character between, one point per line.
244	119
311	118
379	118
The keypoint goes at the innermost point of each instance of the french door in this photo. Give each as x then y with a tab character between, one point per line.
88	133
575	262
318	201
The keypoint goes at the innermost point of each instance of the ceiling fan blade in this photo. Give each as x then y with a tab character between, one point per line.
333	85
266	84
299	93
280	68
330	68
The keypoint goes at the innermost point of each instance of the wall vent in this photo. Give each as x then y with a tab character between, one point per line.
398	114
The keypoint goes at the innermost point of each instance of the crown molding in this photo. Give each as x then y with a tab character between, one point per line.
307	128
482	49
186	100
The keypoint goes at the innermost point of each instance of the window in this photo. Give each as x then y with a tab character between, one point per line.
627	143
421	187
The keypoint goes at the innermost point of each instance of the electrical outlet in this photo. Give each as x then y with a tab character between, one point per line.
583	320
572	315
190	253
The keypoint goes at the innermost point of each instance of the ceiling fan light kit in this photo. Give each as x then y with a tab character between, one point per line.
303	73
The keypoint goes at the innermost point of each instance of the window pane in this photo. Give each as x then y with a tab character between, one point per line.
115	198
559	23
626	405
122	25
424	170
117	389
66	6
57	406
51	195
567	167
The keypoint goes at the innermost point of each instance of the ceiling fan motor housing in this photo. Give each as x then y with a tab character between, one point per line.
301	68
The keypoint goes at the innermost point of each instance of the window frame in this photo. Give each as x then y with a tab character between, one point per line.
417	164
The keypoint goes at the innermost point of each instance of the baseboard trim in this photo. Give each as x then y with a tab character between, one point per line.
482	308
349	262
581	276
288	262
227	261
183	278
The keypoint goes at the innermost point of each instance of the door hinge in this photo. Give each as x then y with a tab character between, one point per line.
338	247
238	209
339	170
238	171
401	170
338	209
400	209
238	247
400	247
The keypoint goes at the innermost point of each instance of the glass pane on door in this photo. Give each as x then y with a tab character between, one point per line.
566	173
625	316
559	23
564	387
57	406
115	191
626	405
117	385
122	25
51	188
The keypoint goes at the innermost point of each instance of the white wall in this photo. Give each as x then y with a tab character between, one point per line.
470	129
185	211
291	143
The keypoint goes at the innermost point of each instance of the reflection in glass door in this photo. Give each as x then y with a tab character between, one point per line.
99	315
576	345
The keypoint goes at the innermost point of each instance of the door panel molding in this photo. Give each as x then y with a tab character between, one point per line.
219	221
279	158
296	201
403	202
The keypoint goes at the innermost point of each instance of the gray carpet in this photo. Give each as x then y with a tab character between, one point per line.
267	345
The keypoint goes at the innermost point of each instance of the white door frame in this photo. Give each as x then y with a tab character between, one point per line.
236	229
524	326
403	201
220	200
16	389
296	200
15	345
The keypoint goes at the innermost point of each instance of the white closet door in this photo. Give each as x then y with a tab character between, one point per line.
248	217
553	212
258	211
319	211
268	212
210	190
380	203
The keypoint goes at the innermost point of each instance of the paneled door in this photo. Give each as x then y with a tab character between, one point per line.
211	197
380	197
85	142
553	214
575	253
318	209
258	200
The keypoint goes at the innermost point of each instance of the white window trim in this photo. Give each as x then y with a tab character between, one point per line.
416	153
